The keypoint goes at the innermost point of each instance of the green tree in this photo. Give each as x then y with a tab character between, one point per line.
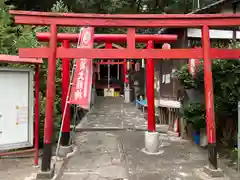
226	86
109	6
14	36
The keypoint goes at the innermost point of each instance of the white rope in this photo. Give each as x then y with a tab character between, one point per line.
67	101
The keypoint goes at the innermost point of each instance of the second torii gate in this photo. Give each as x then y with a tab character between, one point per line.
67	38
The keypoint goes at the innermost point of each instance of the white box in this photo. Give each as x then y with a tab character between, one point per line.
16	108
109	92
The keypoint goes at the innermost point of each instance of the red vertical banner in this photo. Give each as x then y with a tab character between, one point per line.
82	78
193	66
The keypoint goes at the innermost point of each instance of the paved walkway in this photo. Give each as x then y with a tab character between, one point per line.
118	155
16	168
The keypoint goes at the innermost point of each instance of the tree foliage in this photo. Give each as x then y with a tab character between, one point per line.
14	36
109	6
194	114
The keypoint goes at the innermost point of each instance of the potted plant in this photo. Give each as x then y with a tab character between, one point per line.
185	78
194	114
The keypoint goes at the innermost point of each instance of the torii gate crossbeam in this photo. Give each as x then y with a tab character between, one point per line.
119	38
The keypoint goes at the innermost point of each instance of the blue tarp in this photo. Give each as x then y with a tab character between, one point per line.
142	102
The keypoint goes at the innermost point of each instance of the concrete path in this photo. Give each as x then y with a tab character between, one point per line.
113	113
118	155
16	168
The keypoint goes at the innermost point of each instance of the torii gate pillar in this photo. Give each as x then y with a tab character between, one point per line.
50	97
212	168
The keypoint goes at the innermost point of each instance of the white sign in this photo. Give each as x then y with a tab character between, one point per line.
168	78
16	108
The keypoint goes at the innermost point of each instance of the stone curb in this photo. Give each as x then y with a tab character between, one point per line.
60	172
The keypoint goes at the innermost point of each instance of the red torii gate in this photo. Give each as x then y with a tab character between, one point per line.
66	38
204	21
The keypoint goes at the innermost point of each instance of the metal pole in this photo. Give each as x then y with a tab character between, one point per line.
36	113
118	69
209	102
125	71
122	72
109	76
98	71
150	91
65	85
50	97
108	46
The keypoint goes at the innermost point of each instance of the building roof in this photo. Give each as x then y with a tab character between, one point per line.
205	9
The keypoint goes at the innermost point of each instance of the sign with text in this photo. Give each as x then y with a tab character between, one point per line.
16	108
82	78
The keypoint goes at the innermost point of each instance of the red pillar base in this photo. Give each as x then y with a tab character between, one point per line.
213	173
65	150
212	156
47	152
65	139
45	175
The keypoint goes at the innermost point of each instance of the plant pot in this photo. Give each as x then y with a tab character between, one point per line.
196	138
203	138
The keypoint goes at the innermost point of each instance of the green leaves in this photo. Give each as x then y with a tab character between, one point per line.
13	37
185	78
59	6
194	113
226	87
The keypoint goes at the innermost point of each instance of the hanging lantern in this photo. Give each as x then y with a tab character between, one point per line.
137	66
193	66
166	46
128	65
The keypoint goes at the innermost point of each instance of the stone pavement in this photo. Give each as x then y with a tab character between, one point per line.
118	155
17	168
113	112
